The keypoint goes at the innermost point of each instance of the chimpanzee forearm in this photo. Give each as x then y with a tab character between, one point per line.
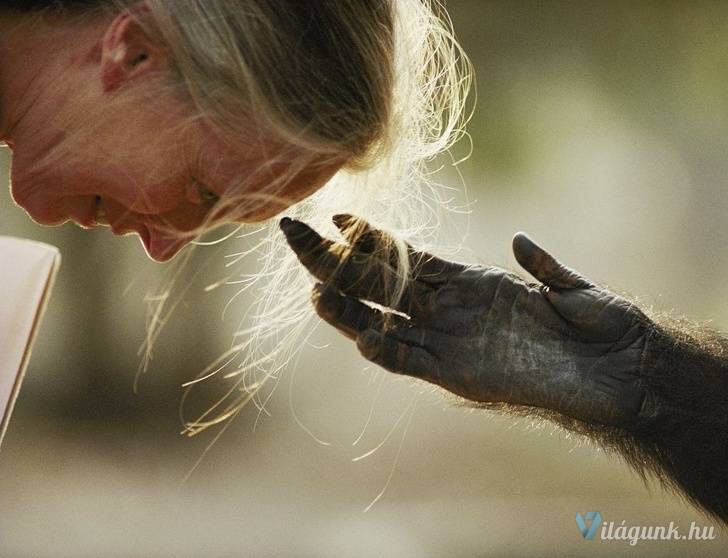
682	429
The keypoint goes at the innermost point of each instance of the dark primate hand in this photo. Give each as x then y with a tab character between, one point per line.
481	332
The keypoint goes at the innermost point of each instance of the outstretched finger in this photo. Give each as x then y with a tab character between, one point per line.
321	256
354	271
544	267
384	349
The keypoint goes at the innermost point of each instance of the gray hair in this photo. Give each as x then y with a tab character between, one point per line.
316	74
380	85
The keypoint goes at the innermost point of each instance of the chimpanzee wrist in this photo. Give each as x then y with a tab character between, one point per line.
676	373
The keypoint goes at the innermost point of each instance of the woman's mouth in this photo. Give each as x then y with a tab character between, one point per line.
100	218
160	245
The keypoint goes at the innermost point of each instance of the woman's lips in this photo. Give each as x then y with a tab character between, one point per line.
83	212
101	217
157	244
94	211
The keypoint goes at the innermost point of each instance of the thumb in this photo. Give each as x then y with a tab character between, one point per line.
544	267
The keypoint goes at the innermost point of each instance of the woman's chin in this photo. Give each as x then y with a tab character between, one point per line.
160	248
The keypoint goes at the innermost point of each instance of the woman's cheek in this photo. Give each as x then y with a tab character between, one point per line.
186	218
140	195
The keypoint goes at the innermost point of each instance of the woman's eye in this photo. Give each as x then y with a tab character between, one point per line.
207	195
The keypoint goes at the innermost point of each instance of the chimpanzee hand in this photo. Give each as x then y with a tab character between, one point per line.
481	332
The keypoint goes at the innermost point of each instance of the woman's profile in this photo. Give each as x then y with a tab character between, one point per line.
166	119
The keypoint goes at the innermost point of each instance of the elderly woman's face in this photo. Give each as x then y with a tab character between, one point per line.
137	176
137	166
143	173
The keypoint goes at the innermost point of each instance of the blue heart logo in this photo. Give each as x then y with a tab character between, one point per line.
588	531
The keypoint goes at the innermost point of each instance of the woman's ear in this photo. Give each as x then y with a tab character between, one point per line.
127	51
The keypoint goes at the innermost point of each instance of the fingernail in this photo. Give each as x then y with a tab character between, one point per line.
521	239
285	223
292	228
342	220
524	249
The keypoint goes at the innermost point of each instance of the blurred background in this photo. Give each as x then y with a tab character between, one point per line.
601	129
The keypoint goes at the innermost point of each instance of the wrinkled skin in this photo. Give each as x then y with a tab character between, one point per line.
95	140
482	332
